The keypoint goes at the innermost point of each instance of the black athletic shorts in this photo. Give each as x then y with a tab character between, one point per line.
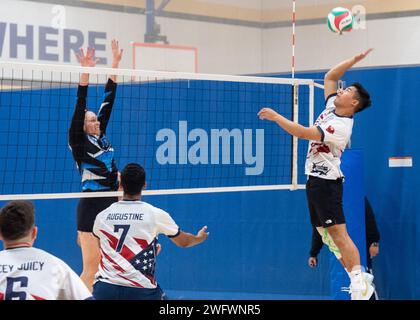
325	201
106	291
87	210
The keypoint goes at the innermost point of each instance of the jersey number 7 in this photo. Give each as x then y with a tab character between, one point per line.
124	228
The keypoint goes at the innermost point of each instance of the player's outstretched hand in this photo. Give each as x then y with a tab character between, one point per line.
268	114
373	251
202	234
363	55
116	52
87	59
312	262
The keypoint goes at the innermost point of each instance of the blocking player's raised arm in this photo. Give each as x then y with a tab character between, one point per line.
116	57
86	60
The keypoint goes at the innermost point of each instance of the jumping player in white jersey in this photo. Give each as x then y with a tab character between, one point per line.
327	141
27	273
127	233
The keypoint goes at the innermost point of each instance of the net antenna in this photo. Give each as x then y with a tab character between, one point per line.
295	105
192	132
293	37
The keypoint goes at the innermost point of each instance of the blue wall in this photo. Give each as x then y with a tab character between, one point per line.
258	245
390	129
257	249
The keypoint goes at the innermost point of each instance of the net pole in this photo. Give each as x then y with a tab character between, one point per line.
295	139
311	104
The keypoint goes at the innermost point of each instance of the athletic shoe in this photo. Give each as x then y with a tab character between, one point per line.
361	292
368	277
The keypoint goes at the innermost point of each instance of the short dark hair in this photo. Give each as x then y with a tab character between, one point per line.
17	218
133	178
363	96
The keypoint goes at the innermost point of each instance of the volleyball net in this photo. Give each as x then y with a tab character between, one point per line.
193	133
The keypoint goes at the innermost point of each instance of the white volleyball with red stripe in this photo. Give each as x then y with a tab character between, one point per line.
340	20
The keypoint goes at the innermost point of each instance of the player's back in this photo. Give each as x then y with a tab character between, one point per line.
128	233
28	273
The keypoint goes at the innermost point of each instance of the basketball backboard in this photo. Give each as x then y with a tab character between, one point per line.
164	57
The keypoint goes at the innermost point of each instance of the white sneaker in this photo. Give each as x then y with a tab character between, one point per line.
368	277
361	292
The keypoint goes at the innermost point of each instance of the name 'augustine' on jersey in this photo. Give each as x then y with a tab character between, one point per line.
324	157
128	232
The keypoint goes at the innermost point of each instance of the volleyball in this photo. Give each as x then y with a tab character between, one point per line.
340	20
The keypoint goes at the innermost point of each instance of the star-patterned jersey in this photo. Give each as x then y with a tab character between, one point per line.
324	157
128	231
28	273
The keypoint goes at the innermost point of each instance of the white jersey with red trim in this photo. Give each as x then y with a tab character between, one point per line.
28	273
128	232
324	157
